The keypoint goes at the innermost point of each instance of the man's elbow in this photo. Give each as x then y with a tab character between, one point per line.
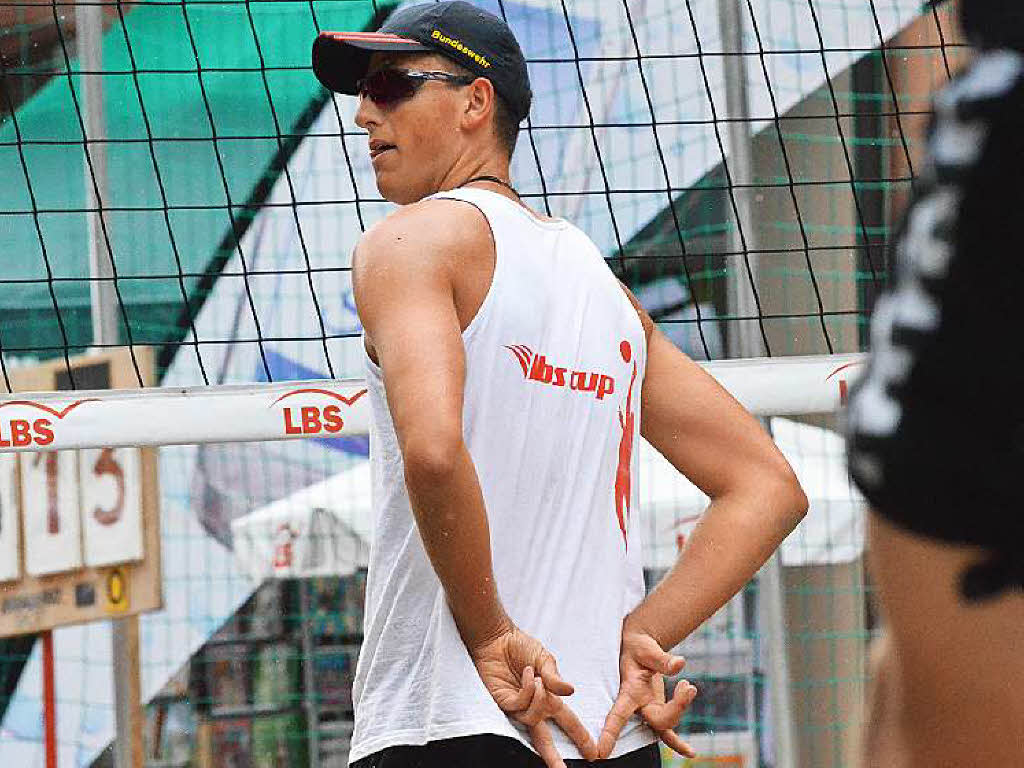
797	501
431	458
772	495
787	494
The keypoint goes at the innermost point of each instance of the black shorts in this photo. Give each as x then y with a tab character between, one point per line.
490	751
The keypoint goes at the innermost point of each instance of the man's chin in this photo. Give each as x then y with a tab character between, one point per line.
397	193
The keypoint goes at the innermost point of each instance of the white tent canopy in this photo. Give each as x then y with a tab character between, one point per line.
325	529
321	530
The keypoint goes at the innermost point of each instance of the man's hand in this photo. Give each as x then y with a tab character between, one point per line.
642	664
523	679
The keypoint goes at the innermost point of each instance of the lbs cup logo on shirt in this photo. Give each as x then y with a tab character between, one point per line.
537	368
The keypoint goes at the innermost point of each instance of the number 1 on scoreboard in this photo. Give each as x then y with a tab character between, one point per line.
49	483
10	568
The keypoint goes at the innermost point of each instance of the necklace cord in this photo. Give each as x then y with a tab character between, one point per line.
495	180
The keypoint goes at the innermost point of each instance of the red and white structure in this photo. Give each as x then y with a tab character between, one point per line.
291	410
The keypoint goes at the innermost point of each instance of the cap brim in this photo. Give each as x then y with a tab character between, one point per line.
340	59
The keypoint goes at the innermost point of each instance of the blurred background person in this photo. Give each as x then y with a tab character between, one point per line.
936	430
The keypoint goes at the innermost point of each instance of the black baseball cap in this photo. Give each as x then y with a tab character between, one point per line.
469	36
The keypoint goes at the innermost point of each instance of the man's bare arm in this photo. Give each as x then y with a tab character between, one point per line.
756	499
884	744
404	293
951	669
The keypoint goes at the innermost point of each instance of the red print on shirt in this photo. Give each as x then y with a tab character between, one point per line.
627	421
536	368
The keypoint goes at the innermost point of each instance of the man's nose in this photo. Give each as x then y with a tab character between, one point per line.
368	114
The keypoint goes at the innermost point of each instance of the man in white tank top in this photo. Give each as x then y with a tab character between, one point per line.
511	377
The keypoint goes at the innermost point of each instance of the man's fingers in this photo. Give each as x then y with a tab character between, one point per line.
553	681
662	716
524	698
537	710
575	730
676	743
622	710
653	657
540	735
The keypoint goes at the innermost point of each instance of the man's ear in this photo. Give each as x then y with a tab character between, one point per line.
480	103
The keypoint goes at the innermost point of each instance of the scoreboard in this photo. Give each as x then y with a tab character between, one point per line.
79	530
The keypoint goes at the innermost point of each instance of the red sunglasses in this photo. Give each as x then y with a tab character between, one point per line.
390	86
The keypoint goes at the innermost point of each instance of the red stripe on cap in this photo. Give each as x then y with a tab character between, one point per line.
370	37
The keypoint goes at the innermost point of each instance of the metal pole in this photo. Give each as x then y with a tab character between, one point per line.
89	25
743	342
124	632
779	684
311	694
740	296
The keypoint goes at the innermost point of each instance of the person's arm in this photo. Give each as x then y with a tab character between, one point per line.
884	743
950	682
756	499
403	280
755	502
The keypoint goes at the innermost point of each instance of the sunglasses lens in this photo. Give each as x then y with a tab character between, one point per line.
387	87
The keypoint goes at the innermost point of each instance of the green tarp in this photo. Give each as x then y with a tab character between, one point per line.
255	67
168	197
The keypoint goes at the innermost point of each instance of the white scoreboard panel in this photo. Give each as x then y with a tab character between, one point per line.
9	569
79	530
110	486
77	508
49	512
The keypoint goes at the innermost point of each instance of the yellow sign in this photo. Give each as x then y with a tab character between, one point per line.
117	592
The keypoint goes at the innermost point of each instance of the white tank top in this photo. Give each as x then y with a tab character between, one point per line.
555	360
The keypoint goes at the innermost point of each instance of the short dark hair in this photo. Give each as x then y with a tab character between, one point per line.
506	126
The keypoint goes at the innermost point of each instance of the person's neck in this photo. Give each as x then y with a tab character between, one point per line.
471	172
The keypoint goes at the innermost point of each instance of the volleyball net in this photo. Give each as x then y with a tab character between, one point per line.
181	198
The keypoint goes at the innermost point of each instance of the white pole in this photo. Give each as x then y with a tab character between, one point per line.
246	413
103	303
744	343
89	25
774	612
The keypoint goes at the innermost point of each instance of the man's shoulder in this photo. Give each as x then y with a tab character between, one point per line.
439	227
